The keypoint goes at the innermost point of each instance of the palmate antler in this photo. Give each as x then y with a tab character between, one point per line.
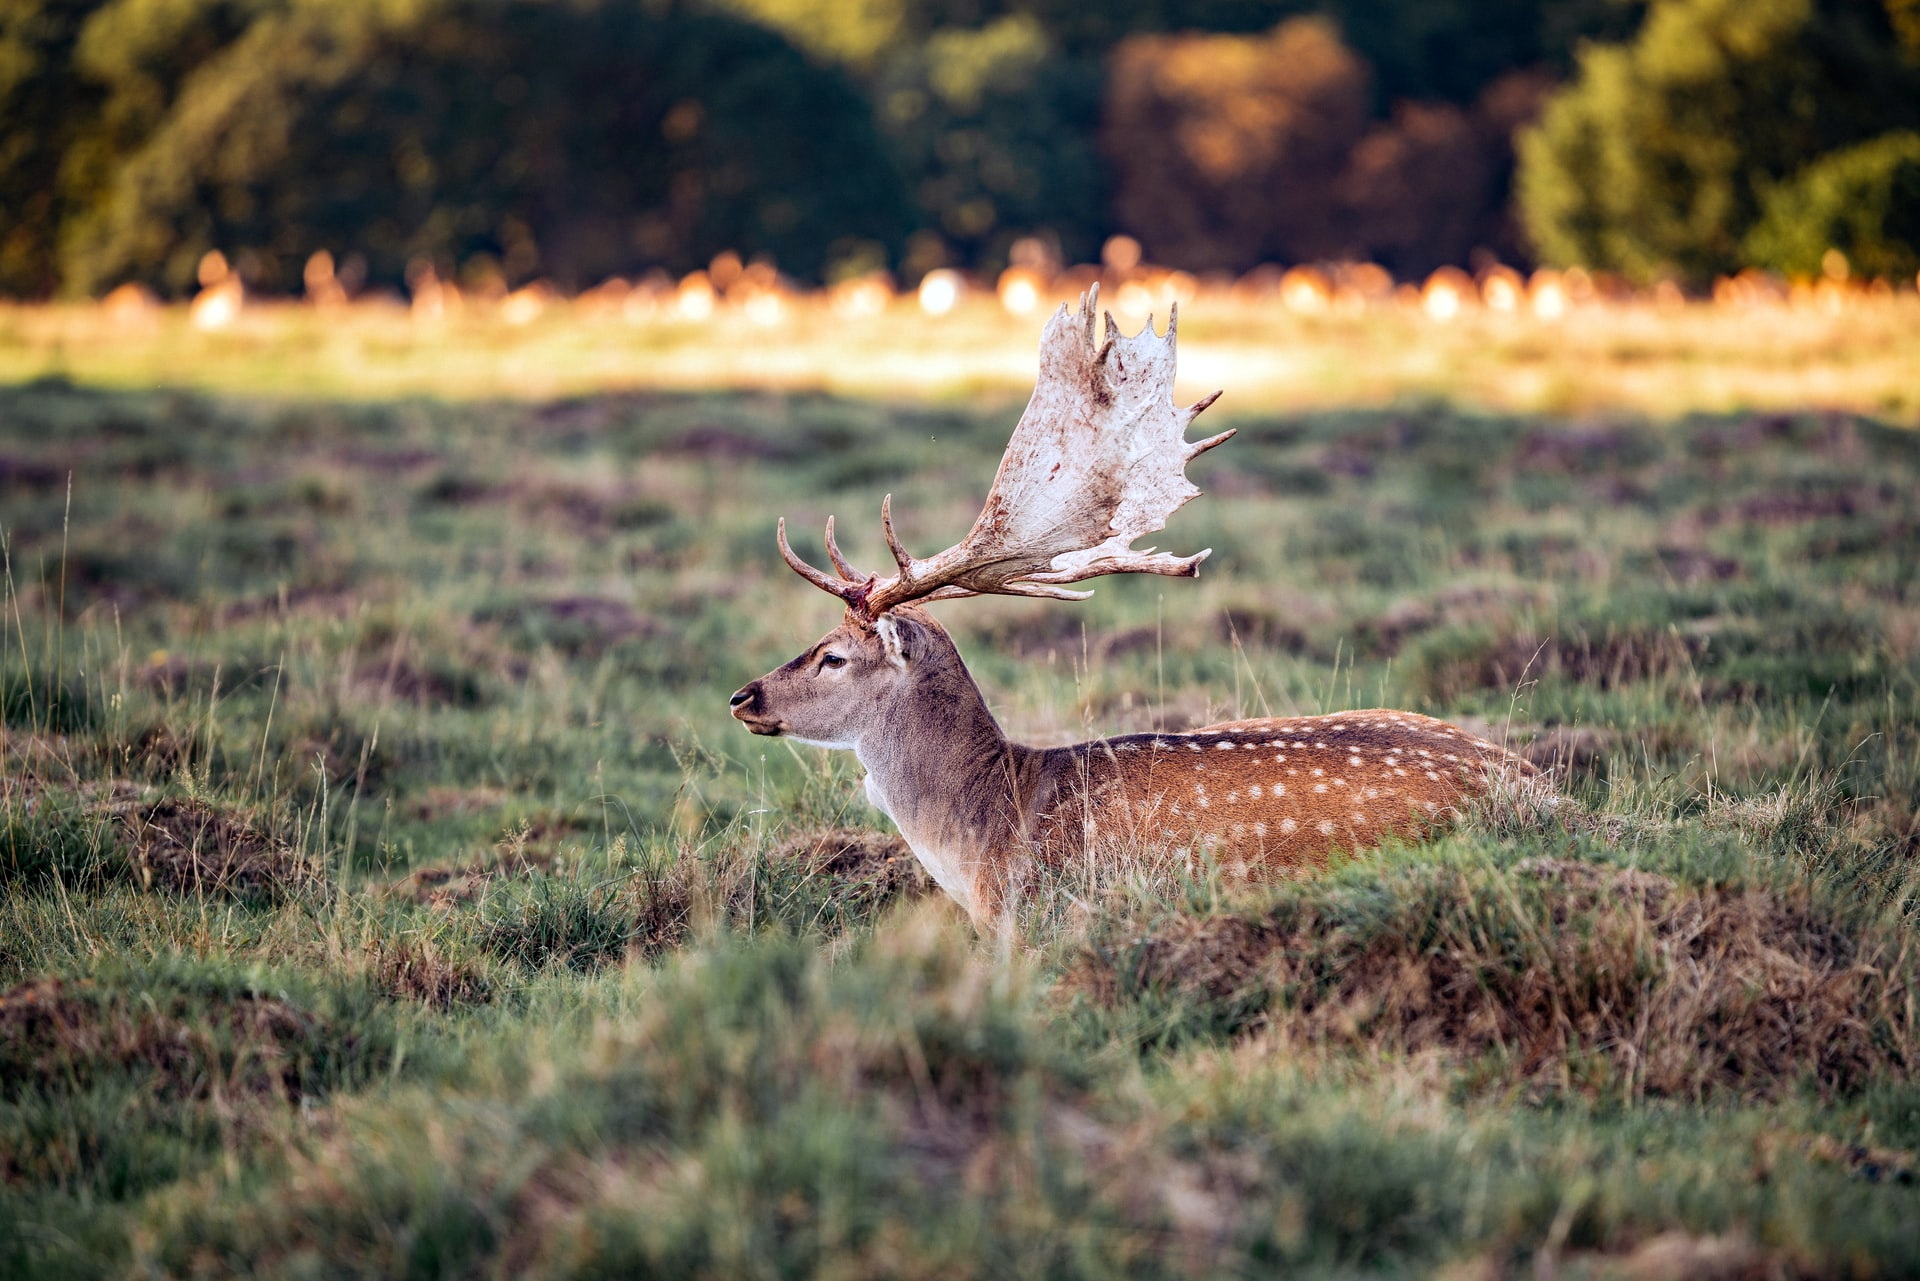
1098	460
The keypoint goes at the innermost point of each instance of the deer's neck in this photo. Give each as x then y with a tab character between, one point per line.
939	766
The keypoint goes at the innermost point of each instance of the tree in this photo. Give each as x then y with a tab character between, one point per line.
994	133
1225	149
1431	185
1656	160
1452	50
1863	201
565	140
45	105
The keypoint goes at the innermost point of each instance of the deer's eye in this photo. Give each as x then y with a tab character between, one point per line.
833	660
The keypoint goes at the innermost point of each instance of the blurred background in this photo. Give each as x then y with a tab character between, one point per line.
435	148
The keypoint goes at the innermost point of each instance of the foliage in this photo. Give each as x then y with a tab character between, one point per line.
853	33
1863	201
1452	50
44	105
1655	162
1232	150
1223	147
541	139
504	140
993	132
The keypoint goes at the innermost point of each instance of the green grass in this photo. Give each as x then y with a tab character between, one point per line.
385	890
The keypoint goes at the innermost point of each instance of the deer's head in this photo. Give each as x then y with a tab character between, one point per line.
1098	459
859	678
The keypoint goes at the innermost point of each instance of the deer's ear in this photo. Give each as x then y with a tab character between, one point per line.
899	639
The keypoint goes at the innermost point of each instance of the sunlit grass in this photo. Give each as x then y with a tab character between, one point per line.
1856	352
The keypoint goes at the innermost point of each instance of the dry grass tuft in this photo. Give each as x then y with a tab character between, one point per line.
189	846
869	869
63	1032
1576	976
412	970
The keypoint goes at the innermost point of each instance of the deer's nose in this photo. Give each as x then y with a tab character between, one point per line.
745	696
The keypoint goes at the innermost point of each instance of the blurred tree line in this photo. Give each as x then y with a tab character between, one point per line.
576	139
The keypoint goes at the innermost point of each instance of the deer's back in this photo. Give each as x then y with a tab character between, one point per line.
1269	794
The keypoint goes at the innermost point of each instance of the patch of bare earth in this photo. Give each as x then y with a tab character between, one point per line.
1667	1256
1580	976
443	887
189	846
455	802
1456	605
1606	661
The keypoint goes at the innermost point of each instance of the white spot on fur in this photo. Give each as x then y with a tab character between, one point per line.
1324	827
1255	791
1287	825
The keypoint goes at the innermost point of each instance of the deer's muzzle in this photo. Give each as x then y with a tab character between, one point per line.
749	708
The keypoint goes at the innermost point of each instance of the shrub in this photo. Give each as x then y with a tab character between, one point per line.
1863	201
1655	160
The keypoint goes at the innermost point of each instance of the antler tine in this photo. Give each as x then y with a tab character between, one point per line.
1146	562
901	556
847	571
845	591
1197	408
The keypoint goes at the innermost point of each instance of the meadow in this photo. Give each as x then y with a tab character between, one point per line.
384	889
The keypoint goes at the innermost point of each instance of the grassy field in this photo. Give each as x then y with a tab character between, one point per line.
384	889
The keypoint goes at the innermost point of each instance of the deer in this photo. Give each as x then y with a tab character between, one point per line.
1097	461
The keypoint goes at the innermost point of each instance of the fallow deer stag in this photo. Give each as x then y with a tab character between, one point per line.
1098	460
